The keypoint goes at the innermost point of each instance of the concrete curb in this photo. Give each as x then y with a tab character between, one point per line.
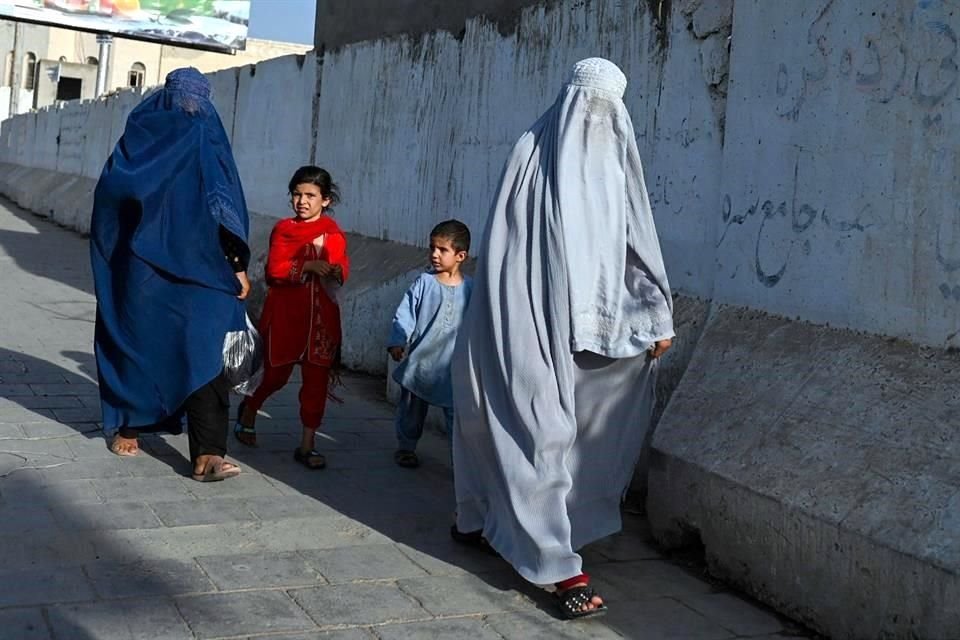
818	469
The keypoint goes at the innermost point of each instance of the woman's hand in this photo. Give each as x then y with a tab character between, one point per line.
244	285
396	353
660	347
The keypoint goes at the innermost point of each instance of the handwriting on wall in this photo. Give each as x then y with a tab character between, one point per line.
908	52
775	244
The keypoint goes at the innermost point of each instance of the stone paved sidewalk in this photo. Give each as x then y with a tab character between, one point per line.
94	546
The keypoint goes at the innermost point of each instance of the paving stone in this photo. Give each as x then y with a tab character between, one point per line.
65	389
631	581
147	579
540	625
139	489
40	402
44	586
150	619
45	549
247	484
295	506
105	469
15	390
359	604
343	634
123	515
90	431
663	618
261	570
463	595
365	562
446	557
25	518
439	630
23	624
245	613
733	613
209	511
21	415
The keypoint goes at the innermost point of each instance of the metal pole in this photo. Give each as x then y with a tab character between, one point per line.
17	63
103	62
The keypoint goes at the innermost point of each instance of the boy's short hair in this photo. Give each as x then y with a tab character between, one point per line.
456	232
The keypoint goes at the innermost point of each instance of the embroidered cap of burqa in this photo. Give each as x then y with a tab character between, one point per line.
553	387
166	296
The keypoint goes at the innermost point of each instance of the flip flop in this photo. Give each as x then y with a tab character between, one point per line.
320	461
243	430
216	472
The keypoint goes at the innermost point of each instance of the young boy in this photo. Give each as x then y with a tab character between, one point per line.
424	331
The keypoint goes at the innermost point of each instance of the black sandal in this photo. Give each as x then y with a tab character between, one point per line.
406	459
473	539
573	600
319	461
240	429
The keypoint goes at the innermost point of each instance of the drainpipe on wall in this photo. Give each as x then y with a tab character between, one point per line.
17	63
103	61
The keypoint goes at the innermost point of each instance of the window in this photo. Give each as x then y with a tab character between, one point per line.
138	74
30	72
92	60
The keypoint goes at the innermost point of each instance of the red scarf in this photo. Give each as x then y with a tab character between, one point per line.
300	320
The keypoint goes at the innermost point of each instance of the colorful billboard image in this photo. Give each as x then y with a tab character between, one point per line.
219	25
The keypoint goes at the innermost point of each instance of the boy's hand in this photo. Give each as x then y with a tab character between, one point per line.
660	348
244	285
396	353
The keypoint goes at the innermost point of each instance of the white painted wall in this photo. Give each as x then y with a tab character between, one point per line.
830	193
268	114
841	170
416	132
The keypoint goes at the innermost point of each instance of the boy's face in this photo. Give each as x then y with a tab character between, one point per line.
443	257
308	202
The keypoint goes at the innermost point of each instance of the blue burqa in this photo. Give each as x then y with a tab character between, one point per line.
166	295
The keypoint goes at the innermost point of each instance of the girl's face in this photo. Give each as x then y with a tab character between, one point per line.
308	201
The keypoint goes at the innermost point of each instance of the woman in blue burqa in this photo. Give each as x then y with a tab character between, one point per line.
169	253
571	311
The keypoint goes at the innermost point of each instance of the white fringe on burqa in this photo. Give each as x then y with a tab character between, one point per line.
553	386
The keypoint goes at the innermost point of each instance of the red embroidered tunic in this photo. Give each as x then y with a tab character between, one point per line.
301	320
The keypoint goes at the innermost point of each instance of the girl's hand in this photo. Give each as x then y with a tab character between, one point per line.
244	285
660	348
321	268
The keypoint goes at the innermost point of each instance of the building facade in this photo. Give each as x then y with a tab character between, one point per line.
42	65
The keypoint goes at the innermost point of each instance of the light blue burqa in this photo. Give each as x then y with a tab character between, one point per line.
553	388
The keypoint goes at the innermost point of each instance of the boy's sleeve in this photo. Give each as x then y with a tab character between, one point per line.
405	319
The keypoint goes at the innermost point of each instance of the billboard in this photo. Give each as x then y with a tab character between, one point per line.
217	25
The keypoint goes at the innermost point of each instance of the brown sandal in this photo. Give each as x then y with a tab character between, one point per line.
217	470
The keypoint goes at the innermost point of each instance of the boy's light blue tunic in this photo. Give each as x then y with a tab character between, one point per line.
426	324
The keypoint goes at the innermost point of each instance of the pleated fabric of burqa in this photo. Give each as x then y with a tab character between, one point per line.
553	383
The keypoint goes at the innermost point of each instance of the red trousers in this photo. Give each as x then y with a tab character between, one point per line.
313	390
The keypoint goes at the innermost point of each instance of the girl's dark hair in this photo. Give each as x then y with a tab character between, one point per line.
318	177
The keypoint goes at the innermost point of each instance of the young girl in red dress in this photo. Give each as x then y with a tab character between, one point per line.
306	265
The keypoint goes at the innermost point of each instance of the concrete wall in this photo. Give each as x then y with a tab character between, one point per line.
808	171
341	22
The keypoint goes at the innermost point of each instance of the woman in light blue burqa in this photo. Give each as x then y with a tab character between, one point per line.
169	253
557	358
